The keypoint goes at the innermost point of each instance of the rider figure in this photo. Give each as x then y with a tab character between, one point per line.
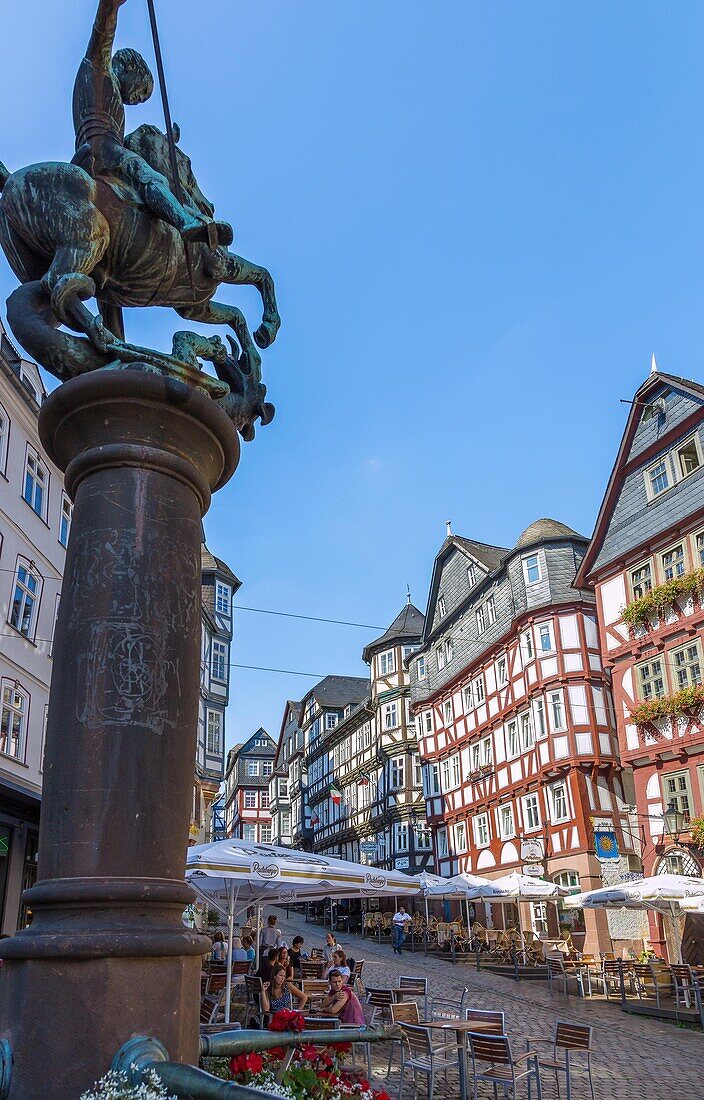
103	85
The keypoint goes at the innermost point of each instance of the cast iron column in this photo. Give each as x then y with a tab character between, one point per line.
107	954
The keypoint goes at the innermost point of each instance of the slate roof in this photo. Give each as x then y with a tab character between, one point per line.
542	529
407	624
209	563
490	556
340	691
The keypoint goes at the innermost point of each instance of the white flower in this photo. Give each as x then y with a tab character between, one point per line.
116	1086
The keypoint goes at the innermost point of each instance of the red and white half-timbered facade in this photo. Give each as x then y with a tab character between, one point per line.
515	721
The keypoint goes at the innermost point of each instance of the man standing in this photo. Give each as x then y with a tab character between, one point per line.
400	922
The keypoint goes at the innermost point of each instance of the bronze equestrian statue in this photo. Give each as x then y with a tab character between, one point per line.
114	225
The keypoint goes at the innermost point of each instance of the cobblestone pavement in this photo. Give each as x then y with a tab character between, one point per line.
634	1056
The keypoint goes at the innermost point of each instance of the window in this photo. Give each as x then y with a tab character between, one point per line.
449	650
568	880
433	779
447	711
445	766
252	767
490	611
267	767
467	697
481	619
502	672
480	825
286	822
397	772
686	663
36	479
460	837
13	720
540	916
539	712
4	438
441	607
249	832
440	655
557	710
478	689
527	646
427	721
214	735
687	457
250	800
531	569
264	800
421	668
387	662
513	743
417	772
222	598
676	788
657	478
531	812
481	754
65	519
25	599
506	825
527	736
265	834
673	564
442	843
401	836
472	574
558	803
330	720
53	626
545	638
700	549
650	679
455	765
218	661
423	838
390	716
283	788
641	580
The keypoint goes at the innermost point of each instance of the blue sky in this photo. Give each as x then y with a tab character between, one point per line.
482	219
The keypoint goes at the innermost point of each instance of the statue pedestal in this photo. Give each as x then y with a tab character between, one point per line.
107	955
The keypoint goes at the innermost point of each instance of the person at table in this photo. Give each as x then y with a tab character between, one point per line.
339	963
342	1001
239	955
219	952
248	944
284	960
296	953
401	920
331	945
271	936
280	993
271	960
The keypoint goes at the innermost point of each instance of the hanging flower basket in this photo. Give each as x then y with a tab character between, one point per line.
687	703
696	827
656	603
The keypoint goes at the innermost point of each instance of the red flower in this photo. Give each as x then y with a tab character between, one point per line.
382	1095
286	1020
255	1062
309	1053
276	1052
364	1085
343	1048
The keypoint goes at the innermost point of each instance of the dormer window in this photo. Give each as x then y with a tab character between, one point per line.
531	569
441	607
387	663
472	574
688	457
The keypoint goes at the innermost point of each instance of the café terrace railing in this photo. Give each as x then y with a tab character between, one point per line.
141	1054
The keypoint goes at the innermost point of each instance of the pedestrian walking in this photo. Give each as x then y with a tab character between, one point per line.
400	921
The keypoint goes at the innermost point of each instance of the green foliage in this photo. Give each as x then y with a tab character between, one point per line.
687	701
696	827
654	604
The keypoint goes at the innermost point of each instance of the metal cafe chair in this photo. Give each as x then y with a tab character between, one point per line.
404	1013
569	1039
504	1069
409	983
420	1055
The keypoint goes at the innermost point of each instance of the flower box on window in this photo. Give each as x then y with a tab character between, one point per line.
686	703
656	603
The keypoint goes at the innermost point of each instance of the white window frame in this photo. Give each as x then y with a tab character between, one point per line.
387	662
472	574
460	831
699	549
5	429
677	567
546	629
467	698
223	598
35	483
265	833
527	731
14	719
442	843
530	810
650	490
447	712
218	660
557	818
23	595
397	773
556	699
331	720
482	830
442	607
506	821
481	619
440	657
490	611
249	832
400	836
250	800
527	650
421	668
478	689
427	721
390	716
676	456
640	579
532	563
502	676
213	742
540	721
643	684
513	739
482	755
65	517
456	772
449	650
691	666
252	768
267	767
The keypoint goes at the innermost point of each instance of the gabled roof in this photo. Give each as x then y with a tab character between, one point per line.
340	691
655	380
408	625
210	564
261	732
488	557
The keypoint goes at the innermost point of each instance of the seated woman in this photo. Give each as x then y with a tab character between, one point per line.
343	1002
281	993
339	963
285	961
248	945
219	952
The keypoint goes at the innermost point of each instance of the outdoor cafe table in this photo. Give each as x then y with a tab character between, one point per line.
460	1028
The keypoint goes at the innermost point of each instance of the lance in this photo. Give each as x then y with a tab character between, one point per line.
175	178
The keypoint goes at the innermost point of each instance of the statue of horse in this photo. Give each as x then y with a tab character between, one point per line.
69	237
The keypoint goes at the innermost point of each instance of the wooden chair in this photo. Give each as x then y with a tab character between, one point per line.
504	1069
240	968
317	954
419	986
684	985
652	981
442	1009
253	1002
311	968
209	1008
420	1055
569	1039
369	925
611	977
404	1013
321	1023
491	1022
315	986
216	983
442	929
356	978
380	1001
557	972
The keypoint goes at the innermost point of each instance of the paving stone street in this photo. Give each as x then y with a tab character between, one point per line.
634	1056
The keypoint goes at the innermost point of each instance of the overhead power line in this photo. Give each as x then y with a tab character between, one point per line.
310	618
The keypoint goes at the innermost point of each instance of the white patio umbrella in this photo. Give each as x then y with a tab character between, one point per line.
692	905
234	874
516	887
459	887
665	894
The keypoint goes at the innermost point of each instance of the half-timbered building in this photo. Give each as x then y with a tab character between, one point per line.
646	561
515	720
249	770
292	832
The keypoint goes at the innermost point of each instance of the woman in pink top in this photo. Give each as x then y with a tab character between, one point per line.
342	1001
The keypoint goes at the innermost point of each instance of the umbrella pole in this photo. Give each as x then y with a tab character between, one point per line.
469	930
676	933
230	928
258	919
425	938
